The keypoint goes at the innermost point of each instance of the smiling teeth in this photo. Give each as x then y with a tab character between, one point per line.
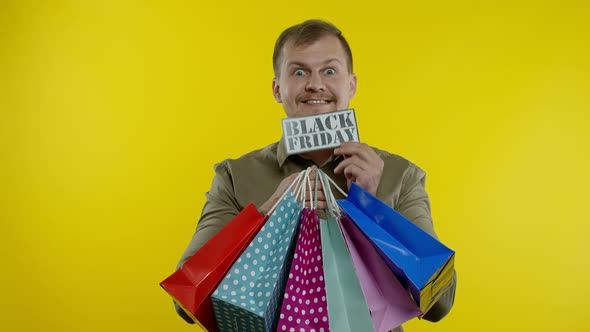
316	102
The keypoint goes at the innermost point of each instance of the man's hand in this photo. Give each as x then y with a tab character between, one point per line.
361	164
309	201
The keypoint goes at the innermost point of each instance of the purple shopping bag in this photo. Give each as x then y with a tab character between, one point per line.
304	305
389	302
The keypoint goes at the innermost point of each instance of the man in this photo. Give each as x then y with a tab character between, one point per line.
313	75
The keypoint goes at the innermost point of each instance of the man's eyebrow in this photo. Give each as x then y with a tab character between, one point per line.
296	63
333	60
301	64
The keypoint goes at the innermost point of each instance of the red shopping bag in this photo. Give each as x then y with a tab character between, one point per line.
191	286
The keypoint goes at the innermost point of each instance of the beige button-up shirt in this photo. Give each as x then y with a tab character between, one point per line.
254	177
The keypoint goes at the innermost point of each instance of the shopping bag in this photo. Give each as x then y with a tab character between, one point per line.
347	308
389	303
249	296
192	285
304	307
422	264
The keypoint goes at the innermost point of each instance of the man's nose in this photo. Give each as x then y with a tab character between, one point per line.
315	83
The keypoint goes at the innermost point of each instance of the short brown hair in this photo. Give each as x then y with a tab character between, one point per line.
307	33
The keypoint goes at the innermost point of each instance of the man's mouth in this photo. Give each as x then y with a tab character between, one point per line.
316	101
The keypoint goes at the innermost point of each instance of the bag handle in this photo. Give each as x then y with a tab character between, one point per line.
333	206
336	186
301	194
297	182
317	175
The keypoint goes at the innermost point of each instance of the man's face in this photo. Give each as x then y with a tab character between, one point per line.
314	78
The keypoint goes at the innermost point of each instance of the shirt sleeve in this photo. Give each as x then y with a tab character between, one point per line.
220	208
415	205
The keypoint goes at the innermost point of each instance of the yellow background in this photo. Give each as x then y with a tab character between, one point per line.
114	112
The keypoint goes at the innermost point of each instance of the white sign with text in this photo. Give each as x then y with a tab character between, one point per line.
318	132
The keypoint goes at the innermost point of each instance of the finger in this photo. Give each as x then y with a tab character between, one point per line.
361	178
371	163
353	160
319	185
349	148
320	196
320	204
353	172
362	150
314	175
288	181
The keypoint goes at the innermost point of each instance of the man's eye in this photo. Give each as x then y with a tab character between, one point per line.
330	71
299	72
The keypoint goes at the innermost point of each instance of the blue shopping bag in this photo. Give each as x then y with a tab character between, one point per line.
422	264
249	297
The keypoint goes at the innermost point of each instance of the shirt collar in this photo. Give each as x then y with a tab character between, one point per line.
281	152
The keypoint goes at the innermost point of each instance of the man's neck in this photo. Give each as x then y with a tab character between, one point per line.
318	157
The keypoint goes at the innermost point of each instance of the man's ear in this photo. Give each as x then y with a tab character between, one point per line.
276	91
352	90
